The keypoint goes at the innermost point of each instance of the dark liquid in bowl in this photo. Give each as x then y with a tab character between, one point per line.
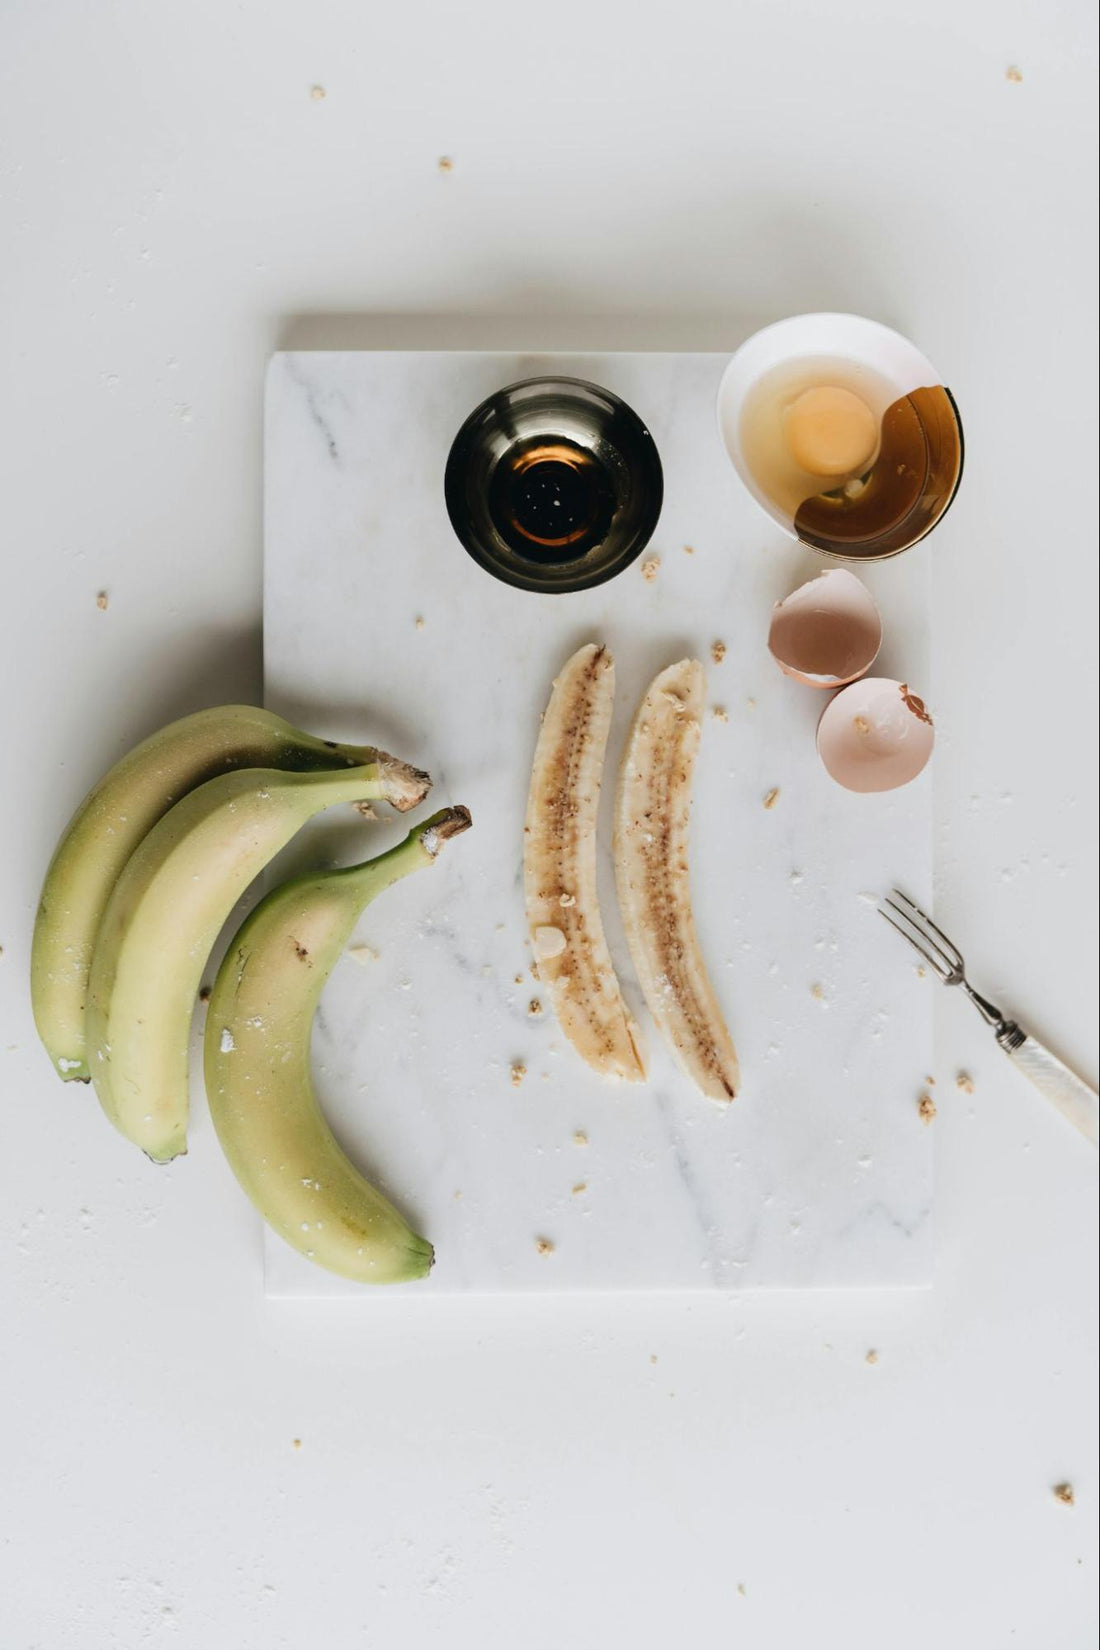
906	491
551	500
553	484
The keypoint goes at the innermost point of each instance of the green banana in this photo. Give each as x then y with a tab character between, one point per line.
175	893
257	1062
122	809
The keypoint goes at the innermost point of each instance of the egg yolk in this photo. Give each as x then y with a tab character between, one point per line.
830	431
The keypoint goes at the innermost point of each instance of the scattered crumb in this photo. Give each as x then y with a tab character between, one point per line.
720	713
930	1082
718	651
817	992
751	703
366	809
519	1072
1013	74
418	622
566	900
921	971
204	994
445	163
580	1138
295	1443
653	1357
519	979
102	601
581	1186
457	1196
544	1246
318	94
689	549
772	797
741	1589
927	1108
1064	1494
650	568
965	1082
872	1357
362	954
534	1008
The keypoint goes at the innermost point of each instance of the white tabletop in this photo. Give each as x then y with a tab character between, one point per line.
184	190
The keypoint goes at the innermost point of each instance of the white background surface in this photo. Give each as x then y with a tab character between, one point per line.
175	205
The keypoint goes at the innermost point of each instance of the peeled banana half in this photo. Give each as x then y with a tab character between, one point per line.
652	816
121	810
174	895
257	1063
559	861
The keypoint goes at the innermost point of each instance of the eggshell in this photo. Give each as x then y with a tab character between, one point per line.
827	632
875	735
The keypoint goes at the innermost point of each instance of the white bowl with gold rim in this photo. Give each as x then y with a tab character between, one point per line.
866	409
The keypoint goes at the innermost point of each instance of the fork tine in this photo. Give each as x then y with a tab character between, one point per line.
944	957
932	962
930	954
950	949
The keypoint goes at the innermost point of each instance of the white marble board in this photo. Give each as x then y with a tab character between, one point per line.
379	627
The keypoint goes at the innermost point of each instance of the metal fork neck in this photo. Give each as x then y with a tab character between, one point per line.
1009	1035
989	1013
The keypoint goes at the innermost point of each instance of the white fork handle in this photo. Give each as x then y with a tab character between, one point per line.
1074	1099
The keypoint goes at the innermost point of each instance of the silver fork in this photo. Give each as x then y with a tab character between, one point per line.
1073	1098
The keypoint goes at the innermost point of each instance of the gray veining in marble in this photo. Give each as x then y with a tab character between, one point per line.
379	627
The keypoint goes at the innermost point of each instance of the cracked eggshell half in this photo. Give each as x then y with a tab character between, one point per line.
875	735
827	632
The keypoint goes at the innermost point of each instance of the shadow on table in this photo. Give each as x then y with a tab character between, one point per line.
545	332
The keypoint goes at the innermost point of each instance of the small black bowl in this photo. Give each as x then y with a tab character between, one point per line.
554	484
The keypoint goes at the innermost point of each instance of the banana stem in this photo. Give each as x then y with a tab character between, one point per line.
404	787
401	785
384	778
325	755
420	847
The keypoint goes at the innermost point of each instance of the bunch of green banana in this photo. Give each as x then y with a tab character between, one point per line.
257	1063
143	880
119	813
